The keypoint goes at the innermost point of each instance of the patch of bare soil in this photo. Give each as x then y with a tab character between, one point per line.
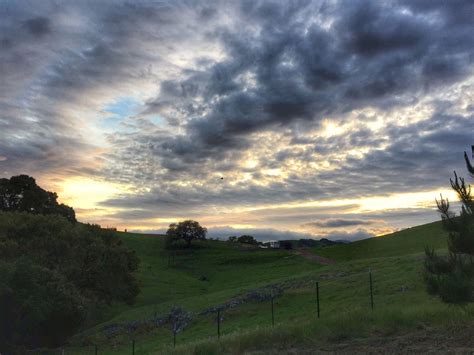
307	254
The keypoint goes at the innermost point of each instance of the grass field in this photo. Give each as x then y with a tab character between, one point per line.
215	272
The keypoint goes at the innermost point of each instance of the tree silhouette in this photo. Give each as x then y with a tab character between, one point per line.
22	194
186	230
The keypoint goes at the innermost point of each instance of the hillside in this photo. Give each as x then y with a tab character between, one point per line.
404	242
217	274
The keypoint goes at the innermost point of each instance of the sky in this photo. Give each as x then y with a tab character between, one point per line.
280	119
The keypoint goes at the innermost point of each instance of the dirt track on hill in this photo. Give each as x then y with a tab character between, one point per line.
307	254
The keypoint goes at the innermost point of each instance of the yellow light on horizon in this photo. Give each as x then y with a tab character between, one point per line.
241	226
404	200
369	204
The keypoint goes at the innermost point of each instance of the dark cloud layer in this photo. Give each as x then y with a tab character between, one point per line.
373	54
340	222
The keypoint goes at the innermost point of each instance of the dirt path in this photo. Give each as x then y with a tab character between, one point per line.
307	254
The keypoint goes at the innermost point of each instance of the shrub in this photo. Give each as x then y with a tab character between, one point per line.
286	244
455	287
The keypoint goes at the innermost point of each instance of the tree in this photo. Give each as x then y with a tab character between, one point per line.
286	244
232	239
39	307
452	277
247	239
188	231
22	194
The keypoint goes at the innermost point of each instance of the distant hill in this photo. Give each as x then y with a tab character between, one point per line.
311	243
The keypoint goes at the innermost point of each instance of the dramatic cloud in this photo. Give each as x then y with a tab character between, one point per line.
308	61
339	222
311	116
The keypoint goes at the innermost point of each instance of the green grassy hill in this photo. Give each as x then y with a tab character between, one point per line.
405	242
218	273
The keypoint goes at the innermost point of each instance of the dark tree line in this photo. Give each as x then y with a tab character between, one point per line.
452	277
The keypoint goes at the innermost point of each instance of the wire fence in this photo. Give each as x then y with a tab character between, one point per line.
178	325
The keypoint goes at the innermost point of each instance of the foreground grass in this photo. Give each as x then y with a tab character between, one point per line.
401	303
321	335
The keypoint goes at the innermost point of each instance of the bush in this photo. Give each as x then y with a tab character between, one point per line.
286	244
432	283
39	307
455	287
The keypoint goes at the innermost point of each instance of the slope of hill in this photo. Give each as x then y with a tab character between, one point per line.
236	279
404	242
204	276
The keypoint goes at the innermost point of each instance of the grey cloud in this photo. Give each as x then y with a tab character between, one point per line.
341	222
410	160
367	28
58	57
372	52
38	26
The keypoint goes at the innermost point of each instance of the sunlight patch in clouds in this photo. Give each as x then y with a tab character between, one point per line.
424	199
86	193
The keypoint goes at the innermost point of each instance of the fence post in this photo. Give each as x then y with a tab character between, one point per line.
133	347
273	316
96	349
218	323
174	338
371	291
317	296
